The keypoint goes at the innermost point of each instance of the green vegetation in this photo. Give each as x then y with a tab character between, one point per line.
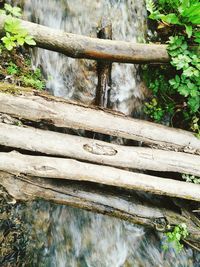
12	68
34	79
16	67
15	34
175	88
175	236
191	178
182	13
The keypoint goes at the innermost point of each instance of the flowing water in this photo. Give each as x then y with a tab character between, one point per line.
69	237
77	79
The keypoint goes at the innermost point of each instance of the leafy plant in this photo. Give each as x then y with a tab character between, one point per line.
154	111
177	12
12	69
191	178
9	10
195	126
187	82
34	80
15	34
176	90
175	236
162	106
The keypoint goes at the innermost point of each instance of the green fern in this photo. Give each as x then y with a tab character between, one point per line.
150	5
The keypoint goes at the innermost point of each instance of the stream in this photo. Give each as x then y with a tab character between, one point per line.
69	237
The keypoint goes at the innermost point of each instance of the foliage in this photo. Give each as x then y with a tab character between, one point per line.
191	178
15	34
16	68
12	69
174	237
16	37
176	88
161	107
187	82
177	12
34	80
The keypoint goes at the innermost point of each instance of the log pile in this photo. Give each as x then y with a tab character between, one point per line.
39	159
83	154
31	158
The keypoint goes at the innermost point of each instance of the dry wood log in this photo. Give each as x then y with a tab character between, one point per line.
64	145
38	107
104	68
58	168
78	46
119	203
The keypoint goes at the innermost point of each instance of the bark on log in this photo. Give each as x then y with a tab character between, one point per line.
78	46
38	107
122	204
64	145
104	69
57	168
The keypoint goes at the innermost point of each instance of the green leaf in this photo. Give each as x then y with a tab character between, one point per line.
190	71
188	29
12	25
171	19
194	19
183	90
15	11
2	12
29	40
20	40
8	8
194	103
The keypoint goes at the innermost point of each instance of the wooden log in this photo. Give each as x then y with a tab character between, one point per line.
81	148
104	69
40	107
58	168
126	205
78	46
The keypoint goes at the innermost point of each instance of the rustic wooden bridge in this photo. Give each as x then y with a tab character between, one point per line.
41	158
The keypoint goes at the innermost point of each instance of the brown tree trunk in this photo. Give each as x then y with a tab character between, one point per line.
78	46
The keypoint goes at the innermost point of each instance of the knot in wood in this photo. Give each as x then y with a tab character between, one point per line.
160	224
99	149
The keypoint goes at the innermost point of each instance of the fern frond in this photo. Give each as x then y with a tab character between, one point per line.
150	5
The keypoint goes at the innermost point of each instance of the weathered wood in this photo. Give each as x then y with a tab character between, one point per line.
65	145
119	203
37	107
58	168
104	69
78	46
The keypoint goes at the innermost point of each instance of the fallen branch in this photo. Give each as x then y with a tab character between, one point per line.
104	69
57	168
119	203
64	145
45	108
78	46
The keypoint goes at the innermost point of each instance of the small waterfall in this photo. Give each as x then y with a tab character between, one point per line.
76	79
69	237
